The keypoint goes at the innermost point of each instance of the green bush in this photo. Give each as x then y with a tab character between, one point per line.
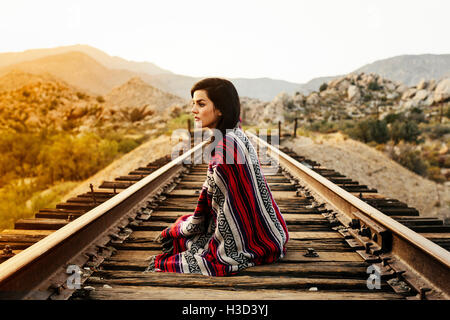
322	126
126	145
434	173
20	199
369	130
373	86
367	97
406	131
447	112
411	159
75	158
437	131
392	117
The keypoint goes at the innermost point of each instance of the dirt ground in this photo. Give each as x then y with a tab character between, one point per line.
371	167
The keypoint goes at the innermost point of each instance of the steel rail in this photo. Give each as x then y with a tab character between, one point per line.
420	254
27	272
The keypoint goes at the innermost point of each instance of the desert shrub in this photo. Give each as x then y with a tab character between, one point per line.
367	97
369	130
322	126
180	122
81	95
447	112
75	157
20	199
134	114
373	86
392	117
434	173
417	115
404	130
410	158
126	145
437	131
323	87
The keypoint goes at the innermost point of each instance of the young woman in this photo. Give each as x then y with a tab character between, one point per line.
236	223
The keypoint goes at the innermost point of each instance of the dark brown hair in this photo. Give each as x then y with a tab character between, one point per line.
225	98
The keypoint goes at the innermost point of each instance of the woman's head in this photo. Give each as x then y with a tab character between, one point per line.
216	103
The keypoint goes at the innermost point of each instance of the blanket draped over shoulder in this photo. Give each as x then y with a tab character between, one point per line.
236	224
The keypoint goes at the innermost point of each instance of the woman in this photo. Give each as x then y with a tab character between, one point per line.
236	223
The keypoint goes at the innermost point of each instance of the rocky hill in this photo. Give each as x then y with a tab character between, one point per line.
136	92
348	97
77	69
37	102
33	102
406	69
411	69
16	79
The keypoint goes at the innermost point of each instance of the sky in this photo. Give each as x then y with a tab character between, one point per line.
292	40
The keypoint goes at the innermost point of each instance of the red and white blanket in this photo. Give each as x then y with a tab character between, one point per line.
236	224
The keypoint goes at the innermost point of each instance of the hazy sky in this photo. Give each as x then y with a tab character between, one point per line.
280	39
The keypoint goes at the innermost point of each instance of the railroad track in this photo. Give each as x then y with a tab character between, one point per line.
346	241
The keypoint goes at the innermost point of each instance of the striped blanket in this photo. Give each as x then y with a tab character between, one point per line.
236	224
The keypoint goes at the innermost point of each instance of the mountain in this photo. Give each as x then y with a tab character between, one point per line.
16	79
349	97
137	93
407	69
97	73
42	102
410	69
77	69
10	58
261	88
34	102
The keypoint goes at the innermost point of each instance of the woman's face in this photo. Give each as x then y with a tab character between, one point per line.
205	114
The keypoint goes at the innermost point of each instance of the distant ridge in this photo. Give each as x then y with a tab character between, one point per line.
108	72
106	60
407	69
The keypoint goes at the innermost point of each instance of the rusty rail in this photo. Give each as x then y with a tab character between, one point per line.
423	264
31	273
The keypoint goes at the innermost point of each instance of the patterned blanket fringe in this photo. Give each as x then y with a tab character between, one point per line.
151	266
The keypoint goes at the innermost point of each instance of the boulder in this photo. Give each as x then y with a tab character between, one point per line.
442	91
410	104
402	88
432	85
393	95
422	84
353	93
343	85
428	101
313	98
333	83
421	95
389	86
409	93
